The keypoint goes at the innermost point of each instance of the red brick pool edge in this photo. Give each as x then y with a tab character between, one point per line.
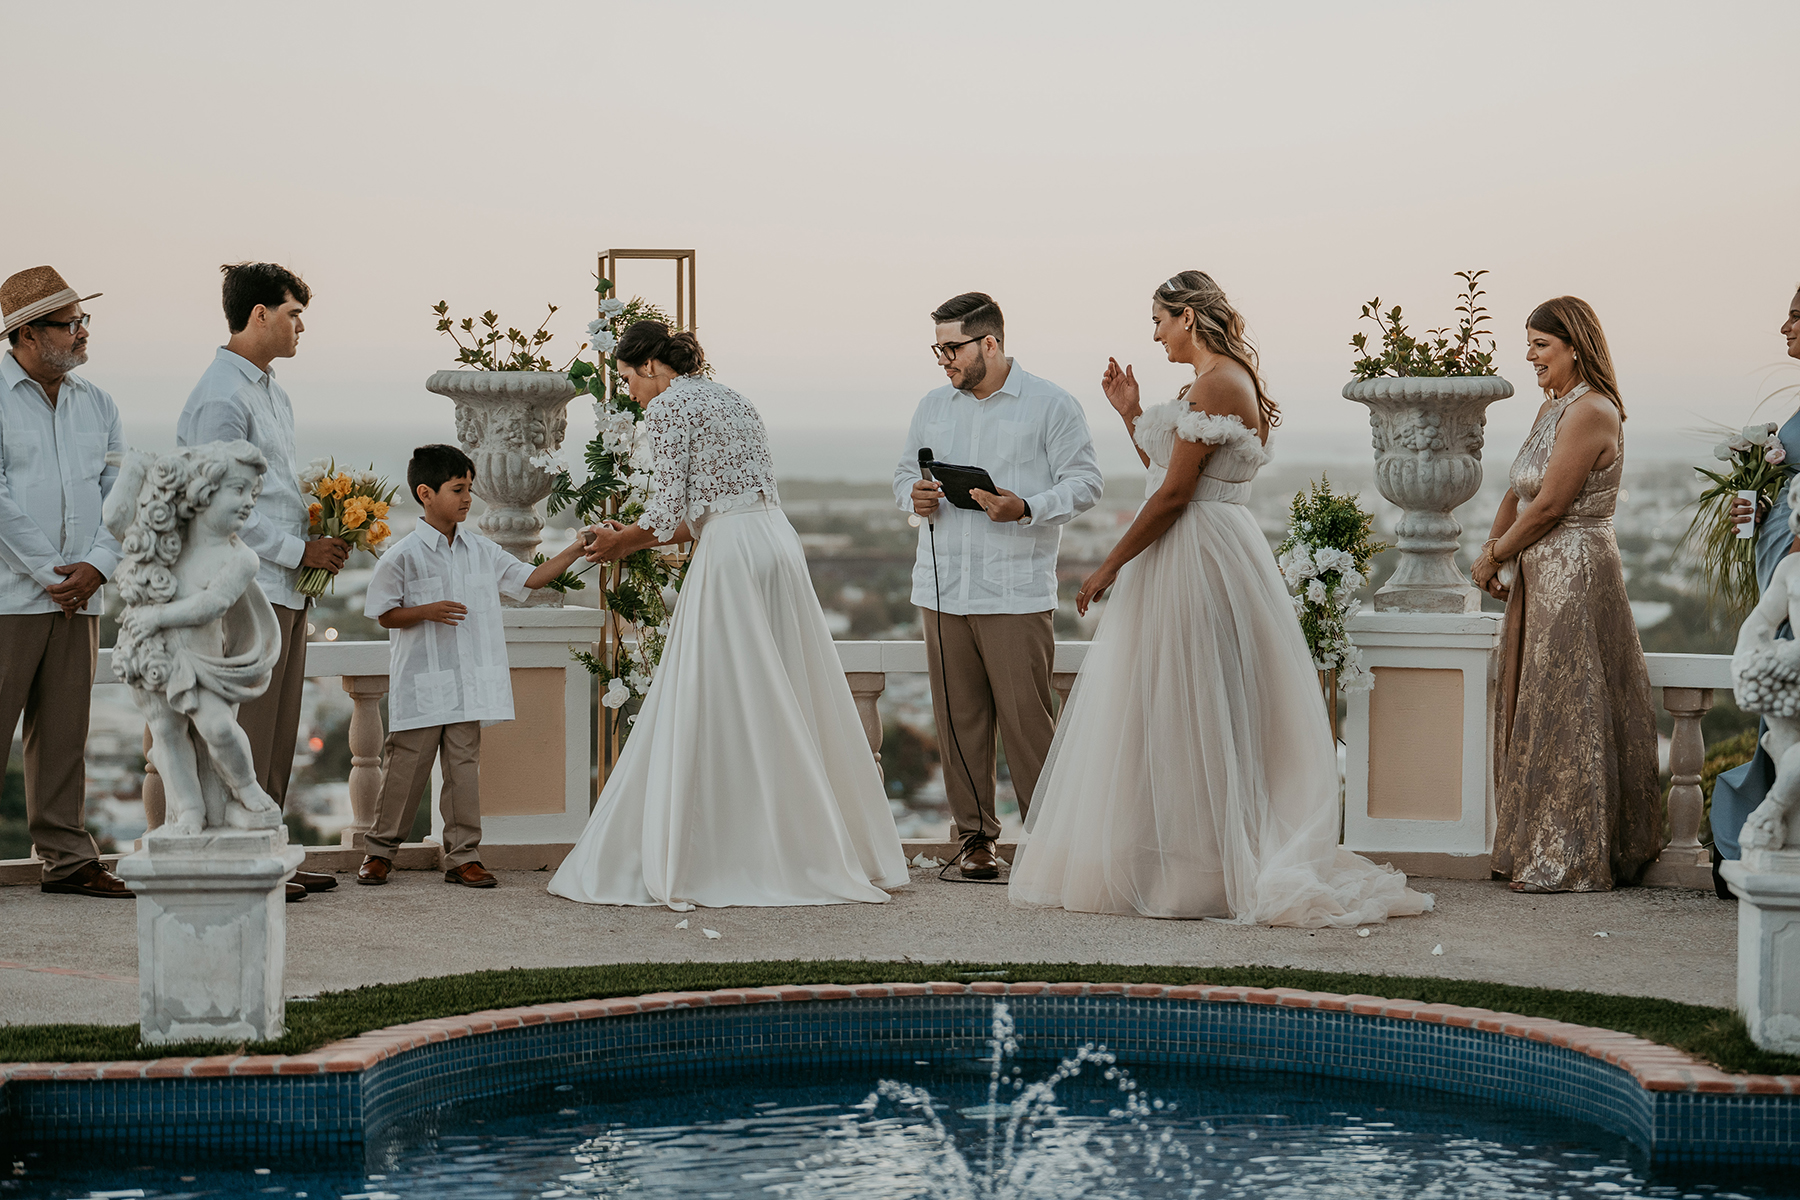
1656	1068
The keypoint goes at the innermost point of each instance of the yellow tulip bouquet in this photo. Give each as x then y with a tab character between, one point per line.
352	505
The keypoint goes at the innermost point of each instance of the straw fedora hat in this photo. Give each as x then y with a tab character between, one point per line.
34	293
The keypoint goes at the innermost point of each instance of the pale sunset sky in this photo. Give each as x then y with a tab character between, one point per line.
841	168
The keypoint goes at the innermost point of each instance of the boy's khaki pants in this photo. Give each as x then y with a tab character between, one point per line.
405	773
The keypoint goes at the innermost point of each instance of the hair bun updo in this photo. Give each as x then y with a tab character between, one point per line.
647	340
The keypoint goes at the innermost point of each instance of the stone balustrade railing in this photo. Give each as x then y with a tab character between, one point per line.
1687	683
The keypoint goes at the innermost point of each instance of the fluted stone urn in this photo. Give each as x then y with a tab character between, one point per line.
1428	435
503	420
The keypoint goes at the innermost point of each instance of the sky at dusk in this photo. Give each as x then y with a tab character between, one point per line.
842	168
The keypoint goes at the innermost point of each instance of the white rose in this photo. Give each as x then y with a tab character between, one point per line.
612	306
604	341
640	683
616	694
1755	433
597	326
1722	451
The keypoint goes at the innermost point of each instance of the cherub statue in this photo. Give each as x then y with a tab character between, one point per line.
197	636
1766	672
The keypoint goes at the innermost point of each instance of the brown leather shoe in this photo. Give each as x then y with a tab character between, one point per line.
471	874
980	861
374	870
91	880
314	881
295	892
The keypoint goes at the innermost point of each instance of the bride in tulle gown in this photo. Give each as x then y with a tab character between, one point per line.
747	778
1193	772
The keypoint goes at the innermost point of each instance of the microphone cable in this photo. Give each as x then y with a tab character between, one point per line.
980	833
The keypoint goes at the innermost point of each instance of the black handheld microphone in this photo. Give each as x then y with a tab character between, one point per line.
925	458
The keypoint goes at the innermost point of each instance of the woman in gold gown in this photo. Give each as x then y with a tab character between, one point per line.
1579	804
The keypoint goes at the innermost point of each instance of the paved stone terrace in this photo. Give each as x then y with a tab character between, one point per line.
74	959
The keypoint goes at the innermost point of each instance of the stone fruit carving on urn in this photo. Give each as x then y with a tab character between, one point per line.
197	637
1766	673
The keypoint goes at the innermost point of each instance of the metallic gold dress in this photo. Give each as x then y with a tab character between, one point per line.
1580	807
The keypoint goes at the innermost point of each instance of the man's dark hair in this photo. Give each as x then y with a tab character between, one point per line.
434	465
12	335
979	315
248	284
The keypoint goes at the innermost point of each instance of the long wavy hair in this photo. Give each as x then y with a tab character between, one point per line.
175	489
1573	321
1219	325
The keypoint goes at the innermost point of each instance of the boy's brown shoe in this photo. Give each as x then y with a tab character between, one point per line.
471	875
374	870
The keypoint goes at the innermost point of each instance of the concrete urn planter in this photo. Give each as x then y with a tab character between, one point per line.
503	420
1427	433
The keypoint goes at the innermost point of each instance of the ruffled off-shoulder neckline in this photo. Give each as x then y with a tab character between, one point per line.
1177	419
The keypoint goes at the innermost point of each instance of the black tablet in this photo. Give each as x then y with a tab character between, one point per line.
958	480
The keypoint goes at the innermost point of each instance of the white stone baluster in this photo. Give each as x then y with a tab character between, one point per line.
1062	681
366	737
866	688
1683	862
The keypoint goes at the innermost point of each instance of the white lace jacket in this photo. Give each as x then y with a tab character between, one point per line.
710	454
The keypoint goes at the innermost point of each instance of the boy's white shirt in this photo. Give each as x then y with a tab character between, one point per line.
442	674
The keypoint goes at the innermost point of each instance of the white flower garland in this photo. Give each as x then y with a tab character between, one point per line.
1324	583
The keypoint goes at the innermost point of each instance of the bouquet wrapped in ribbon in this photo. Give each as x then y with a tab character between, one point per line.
352	505
1725	555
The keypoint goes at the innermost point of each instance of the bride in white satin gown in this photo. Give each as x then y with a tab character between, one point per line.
1193	772
747	778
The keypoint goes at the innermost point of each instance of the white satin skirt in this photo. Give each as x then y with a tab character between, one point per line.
1193	772
747	778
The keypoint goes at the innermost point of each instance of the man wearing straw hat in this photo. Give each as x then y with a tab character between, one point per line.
56	430
237	397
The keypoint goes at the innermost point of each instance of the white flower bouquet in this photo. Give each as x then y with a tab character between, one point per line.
1325	562
1725	562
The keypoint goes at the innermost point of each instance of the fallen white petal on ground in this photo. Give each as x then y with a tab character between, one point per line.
682	924
1362	933
1602	933
922	859
1438	949
711	933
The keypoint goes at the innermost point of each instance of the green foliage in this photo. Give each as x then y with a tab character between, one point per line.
484	351
1715	1034
302	832
1440	351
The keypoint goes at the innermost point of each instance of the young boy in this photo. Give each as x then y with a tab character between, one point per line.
439	590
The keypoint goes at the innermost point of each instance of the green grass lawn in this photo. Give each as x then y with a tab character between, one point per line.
1714	1034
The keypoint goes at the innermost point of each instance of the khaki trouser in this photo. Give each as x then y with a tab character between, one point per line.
272	720
406	771
47	666
994	676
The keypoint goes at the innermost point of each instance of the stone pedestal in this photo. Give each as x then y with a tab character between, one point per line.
1767	883
1419	767
212	933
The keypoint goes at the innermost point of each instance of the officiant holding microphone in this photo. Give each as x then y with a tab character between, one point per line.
985	576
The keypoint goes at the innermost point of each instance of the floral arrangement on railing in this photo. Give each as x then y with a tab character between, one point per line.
1325	563
1724	561
352	505
1468	350
616	486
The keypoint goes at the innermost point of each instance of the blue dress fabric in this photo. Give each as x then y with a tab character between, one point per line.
1738	791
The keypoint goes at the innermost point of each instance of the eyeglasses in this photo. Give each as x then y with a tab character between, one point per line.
80	322
947	350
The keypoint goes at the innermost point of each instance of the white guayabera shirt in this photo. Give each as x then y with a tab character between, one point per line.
1033	440
236	400
443	674
53	481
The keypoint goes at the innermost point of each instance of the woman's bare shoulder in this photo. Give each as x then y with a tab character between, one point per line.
1226	391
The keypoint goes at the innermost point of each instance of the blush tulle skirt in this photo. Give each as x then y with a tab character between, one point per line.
747	778
1193	772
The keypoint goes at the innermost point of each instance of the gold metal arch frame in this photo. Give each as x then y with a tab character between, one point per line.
613	636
